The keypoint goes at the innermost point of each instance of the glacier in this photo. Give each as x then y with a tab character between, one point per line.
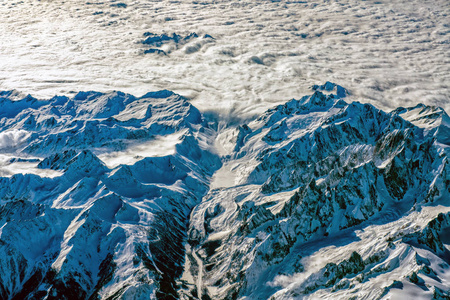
113	196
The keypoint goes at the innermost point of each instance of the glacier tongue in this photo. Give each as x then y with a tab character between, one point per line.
111	196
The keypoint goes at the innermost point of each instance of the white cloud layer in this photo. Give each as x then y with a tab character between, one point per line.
12	138
388	52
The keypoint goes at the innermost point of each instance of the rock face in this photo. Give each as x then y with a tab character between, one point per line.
111	196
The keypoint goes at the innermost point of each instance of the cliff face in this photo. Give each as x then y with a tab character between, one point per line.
110	196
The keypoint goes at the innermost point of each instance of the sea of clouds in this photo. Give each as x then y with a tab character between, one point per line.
390	52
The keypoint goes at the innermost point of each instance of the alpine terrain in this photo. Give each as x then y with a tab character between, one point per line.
112	196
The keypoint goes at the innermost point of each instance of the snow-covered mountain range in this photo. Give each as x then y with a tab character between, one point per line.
111	196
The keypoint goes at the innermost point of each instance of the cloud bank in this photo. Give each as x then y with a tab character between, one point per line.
388	53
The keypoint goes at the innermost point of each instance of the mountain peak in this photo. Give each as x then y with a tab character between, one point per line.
338	90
